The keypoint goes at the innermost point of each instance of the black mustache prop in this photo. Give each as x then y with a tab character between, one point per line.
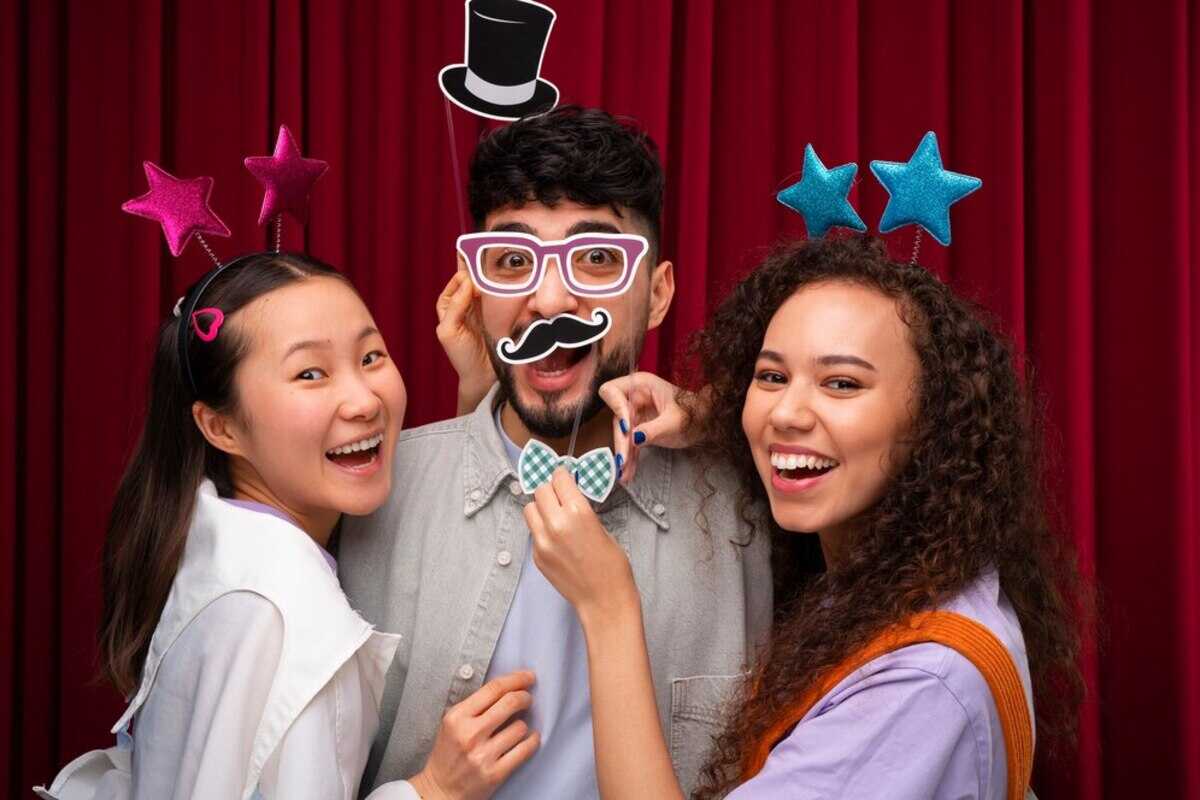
542	337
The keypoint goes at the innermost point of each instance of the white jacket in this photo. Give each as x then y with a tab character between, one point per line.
260	682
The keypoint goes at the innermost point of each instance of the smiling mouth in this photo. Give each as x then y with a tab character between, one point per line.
561	360
794	467
357	455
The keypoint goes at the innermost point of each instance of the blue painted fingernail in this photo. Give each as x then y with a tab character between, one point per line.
620	464
624	428
638	437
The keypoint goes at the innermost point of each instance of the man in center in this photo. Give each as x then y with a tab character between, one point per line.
446	562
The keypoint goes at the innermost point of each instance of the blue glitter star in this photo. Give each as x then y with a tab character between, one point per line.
820	196
921	191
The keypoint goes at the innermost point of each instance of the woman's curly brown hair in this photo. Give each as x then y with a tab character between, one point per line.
968	498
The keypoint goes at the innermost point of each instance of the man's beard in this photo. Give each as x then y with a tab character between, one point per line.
552	419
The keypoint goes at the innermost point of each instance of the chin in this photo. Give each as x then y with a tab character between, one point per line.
793	522
364	498
362	502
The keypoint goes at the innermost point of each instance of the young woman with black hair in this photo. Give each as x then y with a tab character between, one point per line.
249	674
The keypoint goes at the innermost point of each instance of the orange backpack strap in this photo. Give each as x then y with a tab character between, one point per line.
966	636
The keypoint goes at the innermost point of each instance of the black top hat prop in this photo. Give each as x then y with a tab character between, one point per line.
506	40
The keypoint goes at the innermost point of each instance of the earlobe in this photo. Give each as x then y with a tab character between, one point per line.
662	291
216	429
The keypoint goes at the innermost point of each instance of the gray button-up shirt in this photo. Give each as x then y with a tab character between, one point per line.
437	564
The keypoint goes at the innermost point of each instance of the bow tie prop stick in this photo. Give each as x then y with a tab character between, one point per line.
595	471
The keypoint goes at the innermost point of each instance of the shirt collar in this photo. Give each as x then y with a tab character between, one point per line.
263	508
486	469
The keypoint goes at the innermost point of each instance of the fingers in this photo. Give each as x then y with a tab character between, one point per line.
615	394
503	709
614	397
486	696
454	301
665	426
517	756
537	529
504	740
566	490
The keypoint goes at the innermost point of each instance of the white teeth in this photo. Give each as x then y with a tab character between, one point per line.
354	447
794	461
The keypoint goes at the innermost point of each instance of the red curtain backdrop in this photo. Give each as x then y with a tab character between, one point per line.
1081	119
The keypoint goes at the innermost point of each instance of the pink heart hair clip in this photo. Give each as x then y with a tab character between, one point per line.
216	319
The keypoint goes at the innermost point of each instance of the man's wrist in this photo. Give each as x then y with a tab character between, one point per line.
426	786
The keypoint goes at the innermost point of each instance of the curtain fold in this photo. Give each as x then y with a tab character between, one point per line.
1080	117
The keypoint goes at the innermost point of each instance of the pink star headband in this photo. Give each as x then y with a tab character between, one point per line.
181	207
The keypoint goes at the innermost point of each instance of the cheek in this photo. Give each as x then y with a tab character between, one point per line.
291	427
499	315
394	393
869	437
755	411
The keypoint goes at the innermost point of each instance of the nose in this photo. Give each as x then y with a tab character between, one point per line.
359	400
552	297
793	411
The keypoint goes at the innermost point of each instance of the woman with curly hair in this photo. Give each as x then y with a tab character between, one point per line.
863	402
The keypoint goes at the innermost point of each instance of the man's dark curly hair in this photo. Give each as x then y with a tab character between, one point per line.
968	498
580	154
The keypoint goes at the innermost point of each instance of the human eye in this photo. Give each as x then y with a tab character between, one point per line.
770	376
373	357
600	256
513	260
597	259
843	385
311	374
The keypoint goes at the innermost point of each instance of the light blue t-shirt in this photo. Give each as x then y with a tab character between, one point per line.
542	633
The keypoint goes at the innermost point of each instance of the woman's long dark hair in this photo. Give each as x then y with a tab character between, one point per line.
968	498
148	526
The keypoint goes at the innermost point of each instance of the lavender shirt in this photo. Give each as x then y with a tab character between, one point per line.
919	722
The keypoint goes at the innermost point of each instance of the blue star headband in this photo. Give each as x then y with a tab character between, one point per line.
920	192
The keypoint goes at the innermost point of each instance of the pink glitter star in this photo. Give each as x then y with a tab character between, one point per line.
179	205
287	177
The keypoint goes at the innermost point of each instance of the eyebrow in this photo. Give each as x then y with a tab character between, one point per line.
309	344
830	361
583	226
513	227
592	226
825	361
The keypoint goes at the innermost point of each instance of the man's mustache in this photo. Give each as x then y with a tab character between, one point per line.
545	335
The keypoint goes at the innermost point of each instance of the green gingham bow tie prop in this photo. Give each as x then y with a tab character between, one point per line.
595	471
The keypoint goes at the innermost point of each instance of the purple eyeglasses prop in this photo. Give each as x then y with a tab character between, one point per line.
508	264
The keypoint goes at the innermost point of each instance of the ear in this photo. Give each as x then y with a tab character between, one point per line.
219	429
662	291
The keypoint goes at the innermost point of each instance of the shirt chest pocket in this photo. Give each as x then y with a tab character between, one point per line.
700	706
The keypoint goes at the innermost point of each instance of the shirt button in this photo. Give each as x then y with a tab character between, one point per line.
475	495
466	672
515	487
504	558
659	509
